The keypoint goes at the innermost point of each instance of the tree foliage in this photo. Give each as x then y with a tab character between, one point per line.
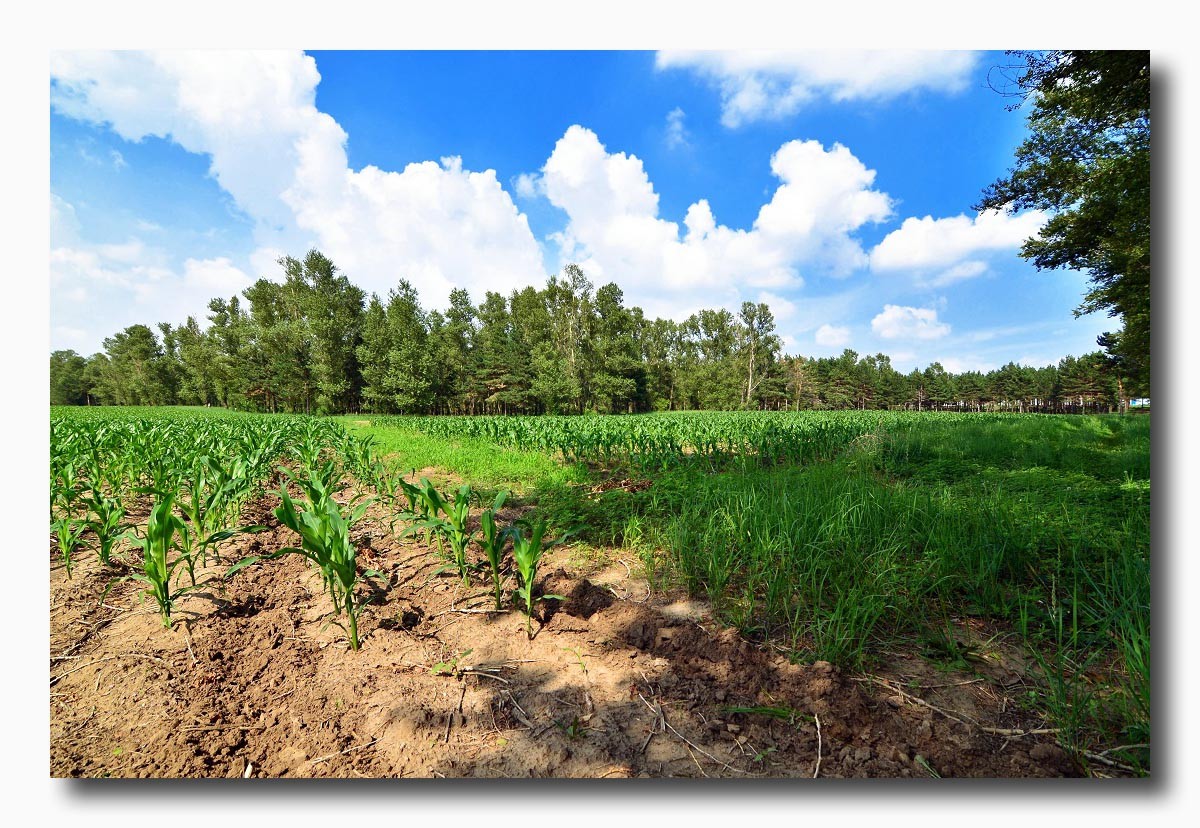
308	344
1086	160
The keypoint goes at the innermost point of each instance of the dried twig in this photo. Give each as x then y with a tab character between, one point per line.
961	718
188	638
450	715
468	612
343	752
61	676
686	741
1003	731
817	767
1096	757
198	728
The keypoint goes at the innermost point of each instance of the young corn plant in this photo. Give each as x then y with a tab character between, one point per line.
158	565
527	552
454	529
65	490
492	539
69	533
325	540
106	518
429	505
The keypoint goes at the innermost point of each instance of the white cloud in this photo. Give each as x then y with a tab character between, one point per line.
830	336
284	163
526	185
68	337
615	233
958	273
64	223
781	308
959	364
98	289
929	243
759	85
900	322
676	131
214	277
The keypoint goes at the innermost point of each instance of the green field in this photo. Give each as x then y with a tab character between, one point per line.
838	536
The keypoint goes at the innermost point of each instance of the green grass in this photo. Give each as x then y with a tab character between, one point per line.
481	463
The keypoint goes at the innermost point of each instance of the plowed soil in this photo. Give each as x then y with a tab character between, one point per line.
618	681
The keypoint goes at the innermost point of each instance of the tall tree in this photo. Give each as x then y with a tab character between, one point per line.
759	347
331	309
135	372
67	382
1087	161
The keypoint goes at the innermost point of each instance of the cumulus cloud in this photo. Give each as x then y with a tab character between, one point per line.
900	322
676	131
97	289
64	223
781	308
761	85
829	336
615	232
284	163
526	185
958	273
952	243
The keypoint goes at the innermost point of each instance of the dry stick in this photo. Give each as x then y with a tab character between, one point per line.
961	718
343	752
697	761
188	638
817	767
450	715
656	727
513	699
1001	731
1123	747
101	623
61	676
468	612
692	744
1105	760
951	684
200	728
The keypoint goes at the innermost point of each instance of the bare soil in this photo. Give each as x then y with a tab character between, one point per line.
618	681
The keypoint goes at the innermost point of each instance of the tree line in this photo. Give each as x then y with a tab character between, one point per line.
315	343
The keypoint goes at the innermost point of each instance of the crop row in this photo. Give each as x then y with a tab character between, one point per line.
194	475
660	441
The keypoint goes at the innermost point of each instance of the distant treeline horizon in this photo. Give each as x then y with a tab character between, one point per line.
316	344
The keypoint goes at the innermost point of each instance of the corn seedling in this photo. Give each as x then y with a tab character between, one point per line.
325	540
527	552
492	540
454	529
158	565
69	533
105	516
449	667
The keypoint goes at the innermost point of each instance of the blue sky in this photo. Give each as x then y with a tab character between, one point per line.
837	187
